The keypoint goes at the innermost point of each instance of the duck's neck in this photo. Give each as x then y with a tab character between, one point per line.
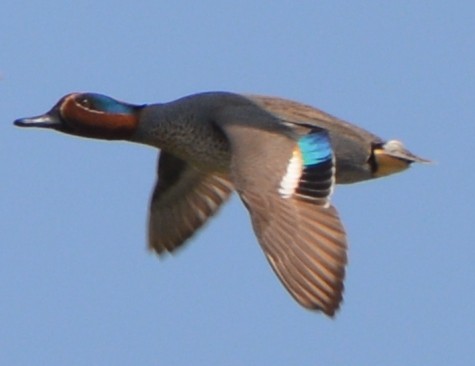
185	128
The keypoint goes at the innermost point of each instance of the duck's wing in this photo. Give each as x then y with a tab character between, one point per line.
285	183
183	199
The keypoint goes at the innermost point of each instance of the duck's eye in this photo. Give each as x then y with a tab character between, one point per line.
84	102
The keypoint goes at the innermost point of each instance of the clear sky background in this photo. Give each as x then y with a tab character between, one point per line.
77	285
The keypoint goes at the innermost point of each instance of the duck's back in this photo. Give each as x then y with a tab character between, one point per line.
352	145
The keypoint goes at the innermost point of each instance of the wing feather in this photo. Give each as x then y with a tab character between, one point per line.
183	200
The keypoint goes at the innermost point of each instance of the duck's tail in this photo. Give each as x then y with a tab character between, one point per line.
393	157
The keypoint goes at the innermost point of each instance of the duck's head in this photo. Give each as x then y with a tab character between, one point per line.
89	115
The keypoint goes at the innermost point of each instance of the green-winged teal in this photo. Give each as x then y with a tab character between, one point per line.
282	157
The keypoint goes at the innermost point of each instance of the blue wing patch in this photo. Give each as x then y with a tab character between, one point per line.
317	179
315	147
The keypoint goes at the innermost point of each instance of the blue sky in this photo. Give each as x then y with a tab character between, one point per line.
77	285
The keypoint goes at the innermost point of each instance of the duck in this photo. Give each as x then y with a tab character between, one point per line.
282	157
